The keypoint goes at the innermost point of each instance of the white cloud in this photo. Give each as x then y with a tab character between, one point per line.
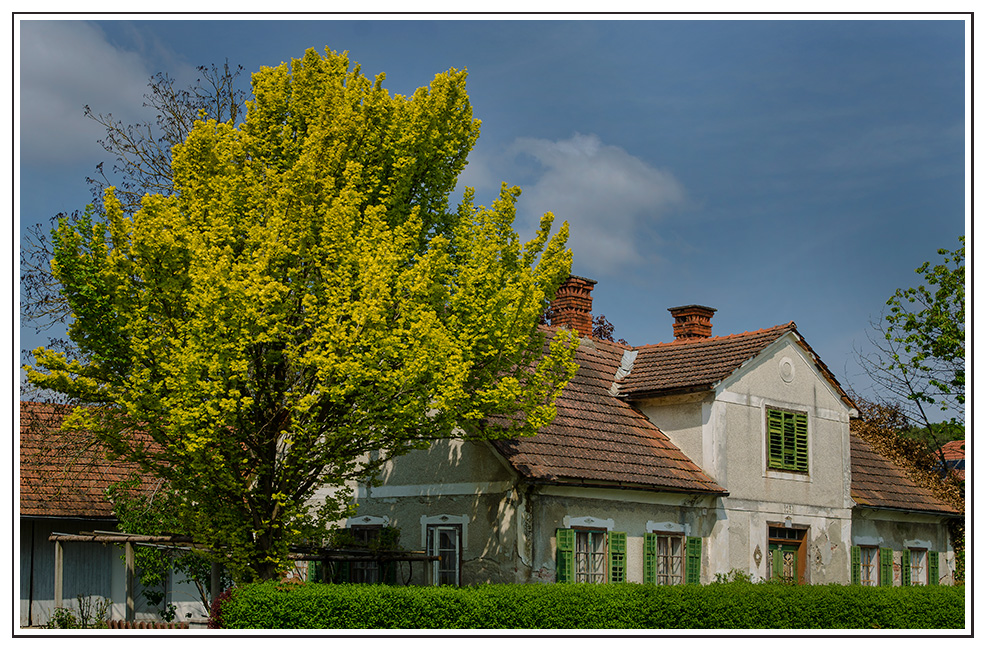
63	67
608	197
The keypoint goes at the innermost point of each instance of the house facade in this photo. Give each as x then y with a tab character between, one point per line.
669	463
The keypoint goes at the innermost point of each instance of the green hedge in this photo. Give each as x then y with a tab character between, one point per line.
573	606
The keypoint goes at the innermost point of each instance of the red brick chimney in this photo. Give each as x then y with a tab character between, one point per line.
572	306
692	322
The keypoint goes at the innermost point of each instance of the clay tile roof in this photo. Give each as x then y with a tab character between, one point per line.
63	474
598	439
878	483
954	452
682	366
696	364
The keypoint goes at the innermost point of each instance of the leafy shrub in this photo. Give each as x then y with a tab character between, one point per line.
726	605
216	610
90	614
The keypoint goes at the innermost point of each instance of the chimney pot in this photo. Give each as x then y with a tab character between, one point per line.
572	306
692	322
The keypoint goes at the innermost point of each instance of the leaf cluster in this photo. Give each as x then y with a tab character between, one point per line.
920	344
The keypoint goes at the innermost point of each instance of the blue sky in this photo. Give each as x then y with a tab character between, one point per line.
775	170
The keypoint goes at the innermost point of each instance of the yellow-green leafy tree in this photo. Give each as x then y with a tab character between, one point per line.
304	298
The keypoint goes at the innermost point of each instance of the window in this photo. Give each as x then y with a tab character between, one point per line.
672	559
445	541
914	567
866	565
664	559
787	440
367	572
363	543
786	546
590	555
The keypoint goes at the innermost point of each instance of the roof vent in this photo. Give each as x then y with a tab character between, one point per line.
692	322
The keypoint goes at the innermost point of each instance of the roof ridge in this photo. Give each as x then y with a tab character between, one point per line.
790	325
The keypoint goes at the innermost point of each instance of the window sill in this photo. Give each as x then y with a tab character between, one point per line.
783	475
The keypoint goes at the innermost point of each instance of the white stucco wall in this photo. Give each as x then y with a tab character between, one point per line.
724	431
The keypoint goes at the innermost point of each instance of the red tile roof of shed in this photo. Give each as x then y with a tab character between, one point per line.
954	451
599	439
878	483
62	473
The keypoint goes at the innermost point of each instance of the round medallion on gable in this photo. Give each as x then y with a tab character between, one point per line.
786	368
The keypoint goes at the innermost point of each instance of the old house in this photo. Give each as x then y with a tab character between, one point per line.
669	463
63	481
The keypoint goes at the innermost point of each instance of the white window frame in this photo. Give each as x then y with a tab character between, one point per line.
919	570
591	555
871	578
665	571
433	532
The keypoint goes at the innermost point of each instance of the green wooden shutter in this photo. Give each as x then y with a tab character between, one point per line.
775	439
787	440
856	569
905	568
617	557
776	564
933	567
693	560
800	441
650	558
886	567
565	555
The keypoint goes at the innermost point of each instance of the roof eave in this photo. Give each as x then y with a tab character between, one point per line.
622	485
913	511
667	392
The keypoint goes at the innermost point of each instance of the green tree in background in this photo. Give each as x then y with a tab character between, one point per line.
302	298
920	358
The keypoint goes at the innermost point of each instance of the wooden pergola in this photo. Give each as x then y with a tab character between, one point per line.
130	542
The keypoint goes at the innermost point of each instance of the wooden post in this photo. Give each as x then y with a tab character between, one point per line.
59	563
130	580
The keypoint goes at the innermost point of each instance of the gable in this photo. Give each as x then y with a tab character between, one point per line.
786	374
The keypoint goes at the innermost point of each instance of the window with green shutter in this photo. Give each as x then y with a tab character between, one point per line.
617	557
787	440
933	574
905	568
664	558
565	555
917	559
868	564
693	560
886	566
